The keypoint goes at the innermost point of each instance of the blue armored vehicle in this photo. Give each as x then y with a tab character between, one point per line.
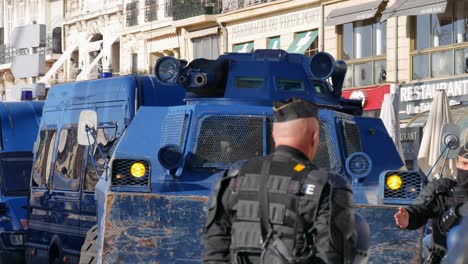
19	122
61	205
152	201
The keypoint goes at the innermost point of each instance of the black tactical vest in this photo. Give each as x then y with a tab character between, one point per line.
294	191
448	197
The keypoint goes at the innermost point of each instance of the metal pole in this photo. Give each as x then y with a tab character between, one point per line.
440	156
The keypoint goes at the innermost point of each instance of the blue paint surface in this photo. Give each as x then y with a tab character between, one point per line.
388	243
163	221
59	218
19	123
161	229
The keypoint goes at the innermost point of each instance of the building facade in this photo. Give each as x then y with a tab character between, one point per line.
410	48
14	13
92	38
157	28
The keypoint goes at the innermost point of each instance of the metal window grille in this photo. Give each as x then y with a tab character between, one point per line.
270	141
352	137
326	156
187	9
151	10
225	139
132	14
231	5
175	128
412	184
122	177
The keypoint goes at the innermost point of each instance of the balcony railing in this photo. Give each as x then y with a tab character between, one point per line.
231	5
7	52
182	9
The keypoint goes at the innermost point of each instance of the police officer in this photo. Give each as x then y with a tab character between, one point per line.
282	208
443	201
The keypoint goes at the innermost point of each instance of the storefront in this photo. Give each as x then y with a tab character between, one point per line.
417	97
415	103
293	30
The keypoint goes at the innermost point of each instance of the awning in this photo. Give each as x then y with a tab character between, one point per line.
345	15
414	8
243	48
274	43
302	41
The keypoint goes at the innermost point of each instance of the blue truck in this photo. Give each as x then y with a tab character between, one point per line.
61	203
19	123
151	206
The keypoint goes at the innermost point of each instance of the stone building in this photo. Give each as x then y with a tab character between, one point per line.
14	13
91	37
410	48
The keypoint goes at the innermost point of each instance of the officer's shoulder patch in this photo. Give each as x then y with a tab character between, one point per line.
299	167
235	168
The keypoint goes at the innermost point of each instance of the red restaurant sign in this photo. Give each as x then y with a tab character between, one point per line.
372	96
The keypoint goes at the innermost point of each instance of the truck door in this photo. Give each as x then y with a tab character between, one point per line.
111	118
39	213
96	161
64	198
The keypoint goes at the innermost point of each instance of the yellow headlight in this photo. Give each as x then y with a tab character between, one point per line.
394	182
138	169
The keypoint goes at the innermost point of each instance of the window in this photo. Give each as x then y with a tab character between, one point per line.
440	42
33	9
249	82
286	85
69	161
9	26
134	62
305	43
20	13
366	59
15	173
132	14
43	157
96	164
312	49
224	139
151	10
320	88
274	43
243	47
206	47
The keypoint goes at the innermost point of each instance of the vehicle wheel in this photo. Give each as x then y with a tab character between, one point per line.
89	249
54	257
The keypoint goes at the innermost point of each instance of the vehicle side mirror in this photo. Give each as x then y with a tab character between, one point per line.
87	124
449	138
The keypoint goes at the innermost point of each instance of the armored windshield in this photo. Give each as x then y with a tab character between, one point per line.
15	173
224	139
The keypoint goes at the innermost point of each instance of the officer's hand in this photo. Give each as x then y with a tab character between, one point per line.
402	218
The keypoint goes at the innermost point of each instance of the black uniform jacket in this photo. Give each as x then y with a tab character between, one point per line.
217	239
431	203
